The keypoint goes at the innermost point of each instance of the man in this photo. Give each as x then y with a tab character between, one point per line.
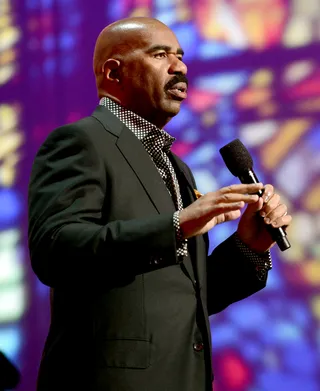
118	233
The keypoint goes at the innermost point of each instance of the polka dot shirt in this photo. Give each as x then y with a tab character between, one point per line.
157	142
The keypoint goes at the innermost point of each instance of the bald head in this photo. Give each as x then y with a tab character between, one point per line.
120	38
135	62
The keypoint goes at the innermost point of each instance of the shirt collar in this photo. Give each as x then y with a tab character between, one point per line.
145	131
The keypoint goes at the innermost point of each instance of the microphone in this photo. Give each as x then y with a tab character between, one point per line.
239	162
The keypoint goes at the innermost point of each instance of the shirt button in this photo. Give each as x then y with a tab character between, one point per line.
198	347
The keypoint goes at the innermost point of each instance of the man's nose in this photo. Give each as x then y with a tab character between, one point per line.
178	66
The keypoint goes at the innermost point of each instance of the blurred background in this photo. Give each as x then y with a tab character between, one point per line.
254	74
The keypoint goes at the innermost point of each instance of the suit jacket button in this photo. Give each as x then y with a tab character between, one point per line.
198	347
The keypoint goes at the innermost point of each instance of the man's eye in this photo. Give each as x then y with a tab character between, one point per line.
161	55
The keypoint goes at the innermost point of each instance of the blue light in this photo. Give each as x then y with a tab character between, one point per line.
114	10
253	351
227	132
33	4
167	17
313	139
274	279
300	314
223	83
66	40
10	341
285	332
223	336
177	124
67	65
296	349
219	234
188	38
49	66
161	4
74	19
42	290
215	50
204	154
249	315
269	380
46	4
10	206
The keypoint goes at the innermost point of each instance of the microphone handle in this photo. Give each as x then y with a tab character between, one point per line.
278	234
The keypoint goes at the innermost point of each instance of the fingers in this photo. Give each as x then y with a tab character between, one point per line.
255	207
228	207
278	216
268	193
235	197
230	198
242	188
233	215
273	211
270	205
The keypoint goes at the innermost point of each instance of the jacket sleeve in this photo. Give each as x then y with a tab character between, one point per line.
231	276
67	240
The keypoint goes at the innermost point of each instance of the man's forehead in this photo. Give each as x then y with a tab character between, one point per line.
148	38
162	37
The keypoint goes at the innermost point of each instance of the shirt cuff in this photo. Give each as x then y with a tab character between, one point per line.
182	244
261	261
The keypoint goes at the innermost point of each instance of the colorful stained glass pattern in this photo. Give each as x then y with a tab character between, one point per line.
254	75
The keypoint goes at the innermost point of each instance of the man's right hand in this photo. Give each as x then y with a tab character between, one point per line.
217	207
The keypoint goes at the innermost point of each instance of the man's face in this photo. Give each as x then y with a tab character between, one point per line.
153	81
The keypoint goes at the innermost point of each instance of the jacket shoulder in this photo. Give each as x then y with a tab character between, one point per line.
87	128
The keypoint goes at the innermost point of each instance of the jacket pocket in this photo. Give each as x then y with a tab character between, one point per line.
126	353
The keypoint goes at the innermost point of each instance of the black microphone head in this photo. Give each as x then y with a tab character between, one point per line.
236	157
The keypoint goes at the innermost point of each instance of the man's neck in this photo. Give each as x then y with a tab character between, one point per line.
152	118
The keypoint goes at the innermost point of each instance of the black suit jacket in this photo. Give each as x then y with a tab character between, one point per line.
99	213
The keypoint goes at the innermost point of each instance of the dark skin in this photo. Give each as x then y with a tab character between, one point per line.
142	66
135	61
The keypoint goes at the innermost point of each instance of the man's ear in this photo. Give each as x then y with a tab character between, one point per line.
110	69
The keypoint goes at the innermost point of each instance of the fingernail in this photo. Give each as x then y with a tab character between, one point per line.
267	196
262	214
274	224
267	220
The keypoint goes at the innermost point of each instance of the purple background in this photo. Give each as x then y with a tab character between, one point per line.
254	74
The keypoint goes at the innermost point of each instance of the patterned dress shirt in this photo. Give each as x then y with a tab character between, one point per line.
157	142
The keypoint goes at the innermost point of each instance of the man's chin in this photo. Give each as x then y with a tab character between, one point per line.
165	112
173	107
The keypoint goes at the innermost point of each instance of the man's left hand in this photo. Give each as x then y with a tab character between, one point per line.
268	210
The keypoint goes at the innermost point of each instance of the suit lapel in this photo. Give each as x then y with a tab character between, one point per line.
148	175
141	163
197	245
184	178
190	265
139	160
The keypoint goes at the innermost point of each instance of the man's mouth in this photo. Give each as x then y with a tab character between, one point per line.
178	91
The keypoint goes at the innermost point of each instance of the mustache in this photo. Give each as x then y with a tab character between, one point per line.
179	78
